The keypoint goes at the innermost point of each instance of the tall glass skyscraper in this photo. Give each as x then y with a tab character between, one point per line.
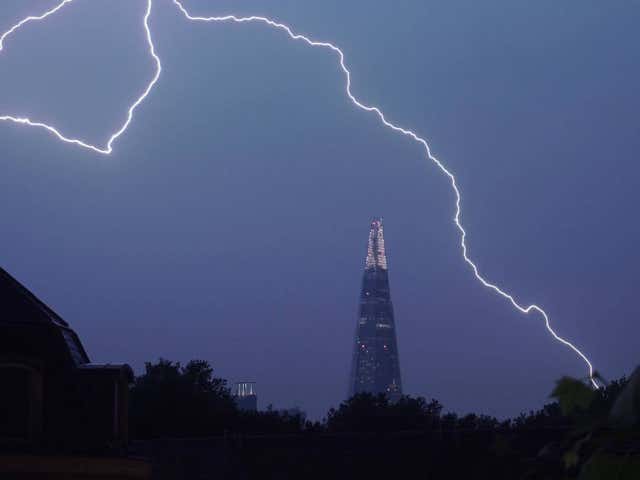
375	366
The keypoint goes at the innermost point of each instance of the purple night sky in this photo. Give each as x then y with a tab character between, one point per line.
230	224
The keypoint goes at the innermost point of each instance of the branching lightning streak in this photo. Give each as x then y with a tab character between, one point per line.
108	148
372	109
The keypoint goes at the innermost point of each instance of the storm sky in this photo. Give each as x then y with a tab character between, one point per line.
230	223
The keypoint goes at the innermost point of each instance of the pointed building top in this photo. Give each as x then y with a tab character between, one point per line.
376	257
375	365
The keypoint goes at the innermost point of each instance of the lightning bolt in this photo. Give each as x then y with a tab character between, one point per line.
108	148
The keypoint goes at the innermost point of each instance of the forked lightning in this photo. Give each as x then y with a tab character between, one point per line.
108	146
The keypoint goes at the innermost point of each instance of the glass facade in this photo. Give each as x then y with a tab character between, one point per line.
375	366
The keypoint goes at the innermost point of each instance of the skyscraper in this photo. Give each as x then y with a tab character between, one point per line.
375	366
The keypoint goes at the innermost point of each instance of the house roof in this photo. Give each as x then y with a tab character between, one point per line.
19	305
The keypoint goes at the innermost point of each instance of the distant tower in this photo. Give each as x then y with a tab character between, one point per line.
245	396
375	367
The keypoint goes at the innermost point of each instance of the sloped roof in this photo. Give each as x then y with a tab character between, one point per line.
19	305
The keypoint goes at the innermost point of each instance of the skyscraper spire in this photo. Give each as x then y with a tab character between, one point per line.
375	366
376	256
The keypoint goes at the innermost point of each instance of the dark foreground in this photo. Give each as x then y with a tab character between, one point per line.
548	453
538	454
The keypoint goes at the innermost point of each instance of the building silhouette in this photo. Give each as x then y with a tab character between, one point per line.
52	396
375	366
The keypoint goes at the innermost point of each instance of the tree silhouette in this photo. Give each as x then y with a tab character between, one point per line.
172	400
366	412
